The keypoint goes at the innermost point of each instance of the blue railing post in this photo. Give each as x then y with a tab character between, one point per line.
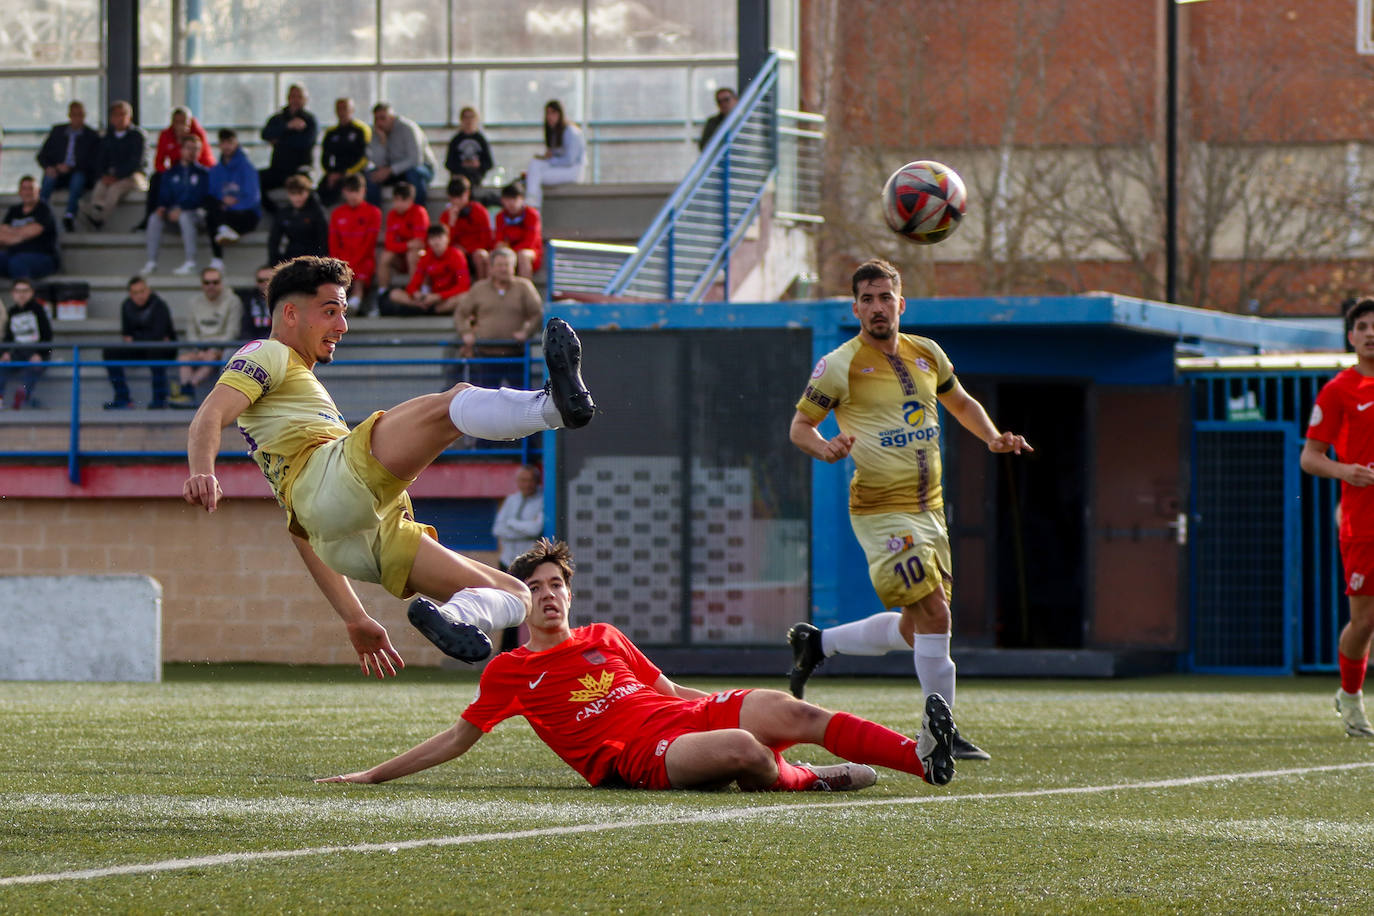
671	267
725	215
74	439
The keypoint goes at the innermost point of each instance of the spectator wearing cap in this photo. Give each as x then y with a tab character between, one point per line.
233	205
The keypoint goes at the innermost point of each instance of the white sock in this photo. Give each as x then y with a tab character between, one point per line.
876	635
934	667
503	413
488	609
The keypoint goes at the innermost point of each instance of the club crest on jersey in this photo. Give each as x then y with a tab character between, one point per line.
594	657
593	687
899	542
819	370
923	364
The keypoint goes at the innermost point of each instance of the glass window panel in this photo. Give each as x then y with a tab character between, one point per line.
154	33
38	102
154	103
638	93
231	99
467	90
525	29
421	95
50	33
705	82
323	88
660	28
782	19
631	162
415	30
256	32
518	96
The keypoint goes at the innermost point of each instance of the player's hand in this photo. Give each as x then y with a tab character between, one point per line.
376	655
347	777
202	490
1358	475
1009	442
836	449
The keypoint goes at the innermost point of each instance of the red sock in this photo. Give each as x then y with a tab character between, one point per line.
863	741
792	778
1352	672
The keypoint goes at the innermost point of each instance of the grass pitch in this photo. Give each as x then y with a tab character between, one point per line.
1172	794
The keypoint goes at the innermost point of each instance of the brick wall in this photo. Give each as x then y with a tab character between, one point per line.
234	588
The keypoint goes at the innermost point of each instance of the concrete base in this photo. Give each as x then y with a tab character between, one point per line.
81	628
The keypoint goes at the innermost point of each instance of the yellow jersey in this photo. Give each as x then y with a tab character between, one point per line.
888	404
290	414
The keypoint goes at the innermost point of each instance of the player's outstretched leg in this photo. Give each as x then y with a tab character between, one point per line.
450	635
933	745
807	655
563	358
1350	707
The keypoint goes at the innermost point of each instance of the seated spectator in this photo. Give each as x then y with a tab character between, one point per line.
28	236
143	316
343	151
182	195
501	307
518	226
168	154
214	314
120	163
300	229
399	151
469	226
232	206
26	327
292	132
70	158
469	153
256	323
404	240
439	279
564	159
353	229
725	103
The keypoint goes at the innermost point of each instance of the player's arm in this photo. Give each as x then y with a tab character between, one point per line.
221	407
443	747
1315	461
805	436
376	655
965	408
670	689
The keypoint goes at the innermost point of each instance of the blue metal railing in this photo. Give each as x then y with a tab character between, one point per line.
690	241
339	374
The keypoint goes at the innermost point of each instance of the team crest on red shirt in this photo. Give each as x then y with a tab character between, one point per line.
594	657
593	687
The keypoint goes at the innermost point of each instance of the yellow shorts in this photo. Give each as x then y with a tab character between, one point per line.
908	555
357	513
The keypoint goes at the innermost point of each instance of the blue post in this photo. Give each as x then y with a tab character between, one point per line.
725	215
670	268
74	445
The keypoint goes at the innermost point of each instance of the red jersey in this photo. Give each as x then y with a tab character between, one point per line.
523	231
470	227
401	228
353	235
586	698
1343	418
446	274
169	148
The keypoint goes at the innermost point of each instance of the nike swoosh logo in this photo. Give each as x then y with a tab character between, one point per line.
1365	406
535	683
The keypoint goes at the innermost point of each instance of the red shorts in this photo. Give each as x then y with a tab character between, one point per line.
642	764
1357	557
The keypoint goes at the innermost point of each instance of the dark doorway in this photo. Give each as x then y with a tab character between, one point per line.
1041	500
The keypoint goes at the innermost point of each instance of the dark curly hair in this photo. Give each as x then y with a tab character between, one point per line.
305	276
544	551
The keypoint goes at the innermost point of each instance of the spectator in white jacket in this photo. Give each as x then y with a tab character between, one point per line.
564	160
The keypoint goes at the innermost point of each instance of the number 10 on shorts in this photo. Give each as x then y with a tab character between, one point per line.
912	571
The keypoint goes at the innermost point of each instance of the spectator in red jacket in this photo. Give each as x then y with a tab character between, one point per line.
353	229
518	226
439	279
169	153
469	226
406	225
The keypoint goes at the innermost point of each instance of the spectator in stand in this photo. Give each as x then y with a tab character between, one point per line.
120	163
215	314
439	279
353	229
233	205
256	322
518	522
469	226
70	158
168	154
182	195
499	308
143	316
404	241
725	103
26	328
28	236
399	151
518	226
469	153
343	151
300	229
292	132
564	159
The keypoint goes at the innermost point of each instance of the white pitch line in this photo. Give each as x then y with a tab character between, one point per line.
704	817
